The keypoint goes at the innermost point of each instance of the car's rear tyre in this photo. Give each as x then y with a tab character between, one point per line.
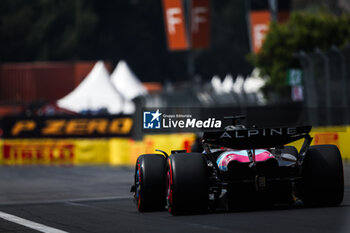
188	183
150	182
323	179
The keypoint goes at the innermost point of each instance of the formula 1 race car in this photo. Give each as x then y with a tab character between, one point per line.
241	168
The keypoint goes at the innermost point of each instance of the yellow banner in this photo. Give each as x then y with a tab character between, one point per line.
29	151
113	151
339	136
91	151
124	151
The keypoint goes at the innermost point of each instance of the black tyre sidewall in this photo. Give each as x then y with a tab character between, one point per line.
189	183
323	176
152	168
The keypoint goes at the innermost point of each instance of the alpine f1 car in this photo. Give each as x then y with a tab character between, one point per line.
241	168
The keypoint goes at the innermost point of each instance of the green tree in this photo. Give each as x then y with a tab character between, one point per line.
304	31
132	30
44	29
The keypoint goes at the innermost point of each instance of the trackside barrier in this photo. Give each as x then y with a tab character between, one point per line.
339	136
124	151
113	151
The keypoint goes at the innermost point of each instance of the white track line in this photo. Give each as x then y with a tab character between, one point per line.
29	224
47	202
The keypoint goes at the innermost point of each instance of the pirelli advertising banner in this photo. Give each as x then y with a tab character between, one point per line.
88	151
67	127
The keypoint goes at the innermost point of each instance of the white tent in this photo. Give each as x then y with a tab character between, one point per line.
216	84
254	83
94	93
126	82
238	85
227	84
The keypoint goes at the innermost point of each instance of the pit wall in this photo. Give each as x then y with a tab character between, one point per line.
124	151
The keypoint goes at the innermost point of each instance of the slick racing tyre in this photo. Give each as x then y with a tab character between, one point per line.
187	183
150	182
323	176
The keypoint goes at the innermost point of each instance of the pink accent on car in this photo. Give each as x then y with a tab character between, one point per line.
242	157
263	156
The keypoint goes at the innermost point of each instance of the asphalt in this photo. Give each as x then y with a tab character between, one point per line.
97	199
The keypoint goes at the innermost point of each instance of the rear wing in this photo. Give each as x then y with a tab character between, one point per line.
256	138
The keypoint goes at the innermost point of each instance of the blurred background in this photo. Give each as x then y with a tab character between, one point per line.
75	76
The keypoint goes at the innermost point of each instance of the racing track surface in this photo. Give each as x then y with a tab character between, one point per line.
97	199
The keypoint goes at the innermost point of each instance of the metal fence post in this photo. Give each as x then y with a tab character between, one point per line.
309	81
346	53
327	84
344	98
